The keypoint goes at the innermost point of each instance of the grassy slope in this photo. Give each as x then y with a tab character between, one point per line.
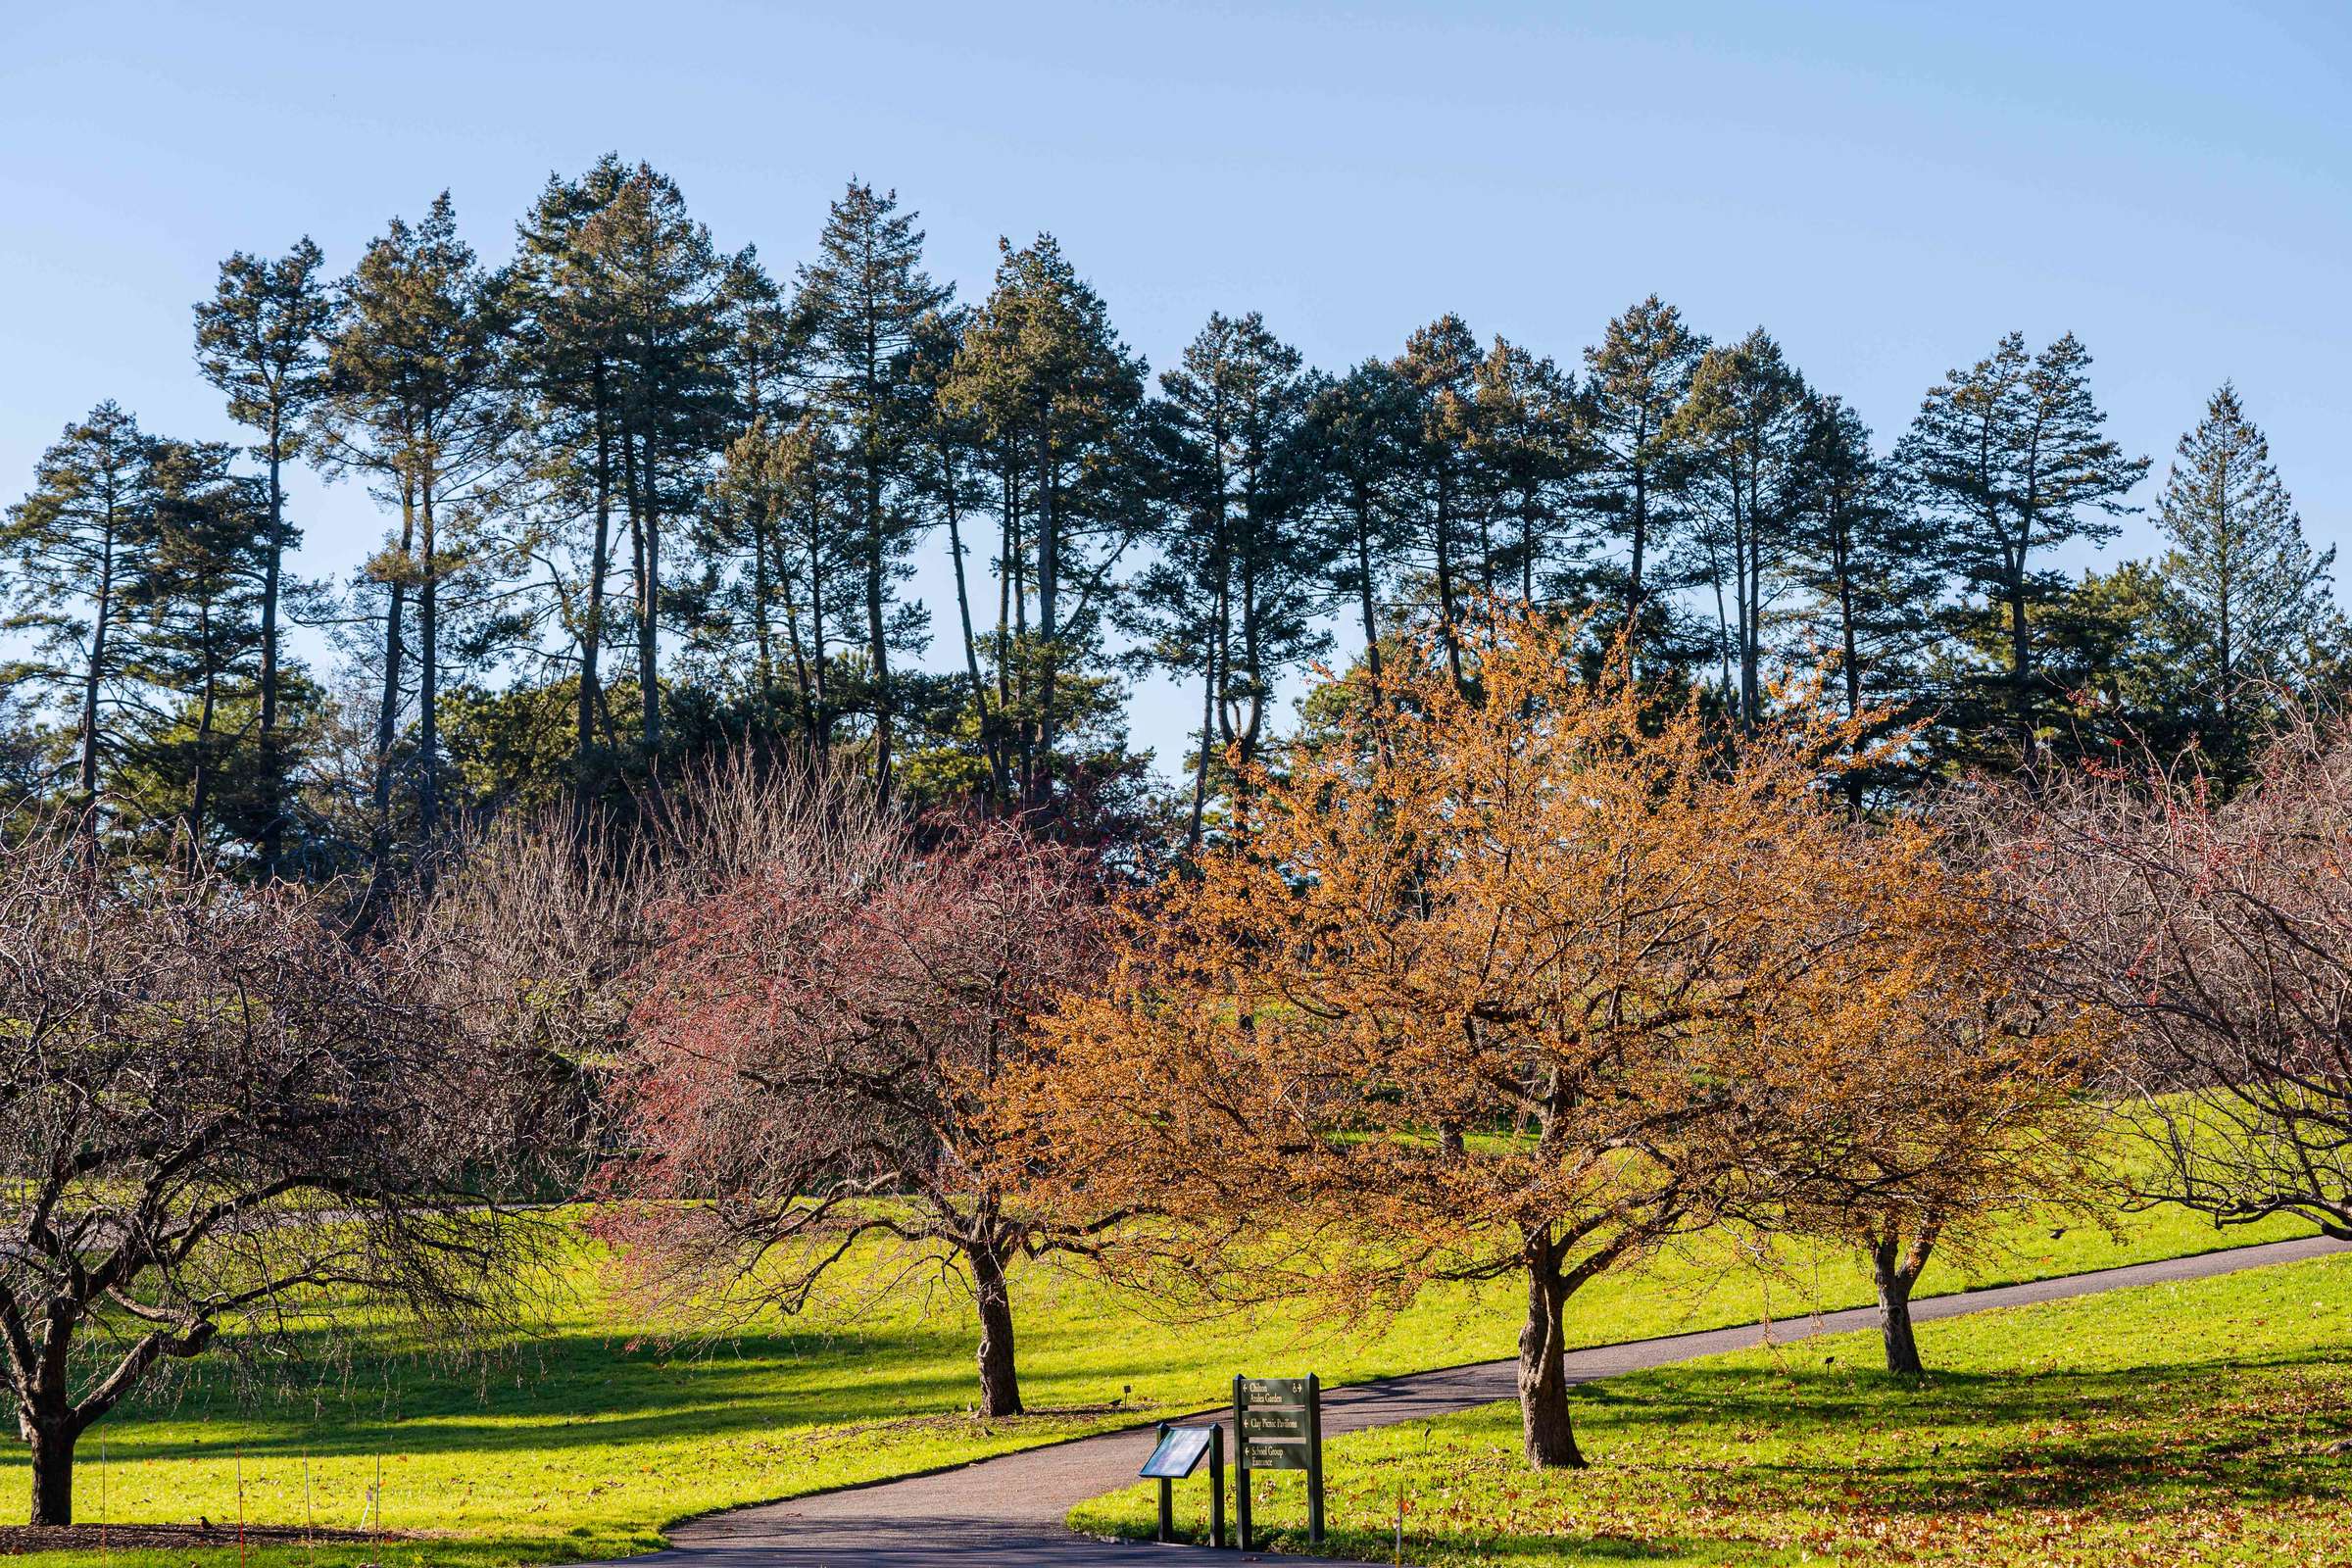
2205	1423
585	1443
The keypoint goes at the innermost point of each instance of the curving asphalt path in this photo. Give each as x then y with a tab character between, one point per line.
1007	1512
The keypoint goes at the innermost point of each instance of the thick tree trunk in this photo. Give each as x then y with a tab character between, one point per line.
52	1472
1543	1376
1895	1272
1000	1383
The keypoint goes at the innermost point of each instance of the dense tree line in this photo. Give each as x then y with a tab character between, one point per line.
647	498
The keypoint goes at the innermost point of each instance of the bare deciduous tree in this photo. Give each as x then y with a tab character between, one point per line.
2219	934
813	1049
218	1121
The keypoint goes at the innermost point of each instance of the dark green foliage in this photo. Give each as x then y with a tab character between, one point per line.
68	550
414	401
632	441
1057	399
1634	381
858	309
1231	599
2008	458
1740	431
2243	601
260	340
202	572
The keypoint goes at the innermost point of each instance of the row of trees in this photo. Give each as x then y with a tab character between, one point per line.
1513	969
648	499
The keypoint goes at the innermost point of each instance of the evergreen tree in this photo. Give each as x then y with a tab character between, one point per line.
793	594
1232	598
2246	602
70	546
1440	364
952	486
1361	433
260	340
1866	563
1739	429
1635	379
1060	400
565	362
666	292
205	569
1528	447
414	399
2009	458
860	304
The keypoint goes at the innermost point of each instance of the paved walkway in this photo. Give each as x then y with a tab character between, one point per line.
1007	1512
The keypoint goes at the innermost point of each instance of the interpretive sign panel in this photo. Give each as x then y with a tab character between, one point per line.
1177	1454
1180	1452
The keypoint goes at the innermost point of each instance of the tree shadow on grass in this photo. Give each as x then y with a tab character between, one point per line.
1978	1443
585	1390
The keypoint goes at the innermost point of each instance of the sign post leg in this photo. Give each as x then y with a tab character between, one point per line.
1216	1488
1240	1468
1167	1502
1314	1460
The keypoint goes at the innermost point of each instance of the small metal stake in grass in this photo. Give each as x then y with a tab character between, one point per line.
309	1539
379	1505
240	1505
102	1499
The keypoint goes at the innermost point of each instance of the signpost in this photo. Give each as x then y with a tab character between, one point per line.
1278	1425
1178	1456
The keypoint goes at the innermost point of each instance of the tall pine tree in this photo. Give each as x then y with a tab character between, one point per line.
1635	381
261	339
860	304
70	547
2010	456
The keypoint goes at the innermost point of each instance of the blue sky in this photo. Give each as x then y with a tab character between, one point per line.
1886	186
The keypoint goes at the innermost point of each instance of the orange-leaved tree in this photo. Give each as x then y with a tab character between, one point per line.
1950	1097
1506	976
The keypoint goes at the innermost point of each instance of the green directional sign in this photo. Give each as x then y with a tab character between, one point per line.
1278	1425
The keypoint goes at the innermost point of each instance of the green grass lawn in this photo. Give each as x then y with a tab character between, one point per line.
589	1440
2206	1423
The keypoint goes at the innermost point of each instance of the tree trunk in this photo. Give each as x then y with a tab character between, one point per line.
592	624
387	715
1000	1384
1049	582
428	669
971	649
52	1472
1894	1273
88	778
272	560
648	603
877	643
1543	1375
